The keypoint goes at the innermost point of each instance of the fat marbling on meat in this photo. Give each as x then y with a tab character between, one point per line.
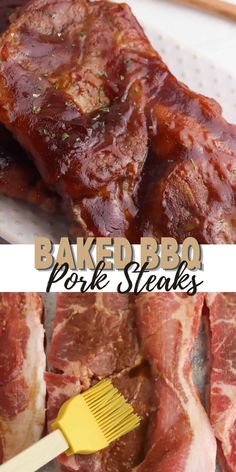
95	336
22	365
182	439
144	344
222	393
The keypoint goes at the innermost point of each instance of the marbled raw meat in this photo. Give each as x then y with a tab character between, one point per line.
222	395
182	439
22	366
94	337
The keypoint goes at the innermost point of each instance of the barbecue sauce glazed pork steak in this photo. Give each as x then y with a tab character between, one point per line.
19	177
8	8
131	150
94	337
74	108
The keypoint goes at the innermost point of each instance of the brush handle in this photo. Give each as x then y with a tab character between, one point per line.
213	6
37	455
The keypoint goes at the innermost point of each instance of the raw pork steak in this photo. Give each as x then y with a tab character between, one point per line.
145	347
94	337
182	439
222	400
22	366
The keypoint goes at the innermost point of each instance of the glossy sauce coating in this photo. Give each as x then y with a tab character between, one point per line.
131	150
8	8
19	177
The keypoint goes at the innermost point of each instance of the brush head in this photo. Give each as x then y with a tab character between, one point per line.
114	415
92	420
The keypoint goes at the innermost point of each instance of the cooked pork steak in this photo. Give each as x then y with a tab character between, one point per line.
189	178
19	177
95	336
22	365
8	8
85	81
88	132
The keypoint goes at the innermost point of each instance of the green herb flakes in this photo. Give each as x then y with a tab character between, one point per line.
65	136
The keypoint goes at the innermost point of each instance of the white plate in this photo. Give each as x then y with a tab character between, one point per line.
20	223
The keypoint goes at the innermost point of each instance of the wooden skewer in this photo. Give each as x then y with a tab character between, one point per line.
213	6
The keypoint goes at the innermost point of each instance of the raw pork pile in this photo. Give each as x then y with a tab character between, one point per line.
144	344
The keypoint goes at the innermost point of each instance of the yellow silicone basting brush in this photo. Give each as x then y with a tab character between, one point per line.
85	424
